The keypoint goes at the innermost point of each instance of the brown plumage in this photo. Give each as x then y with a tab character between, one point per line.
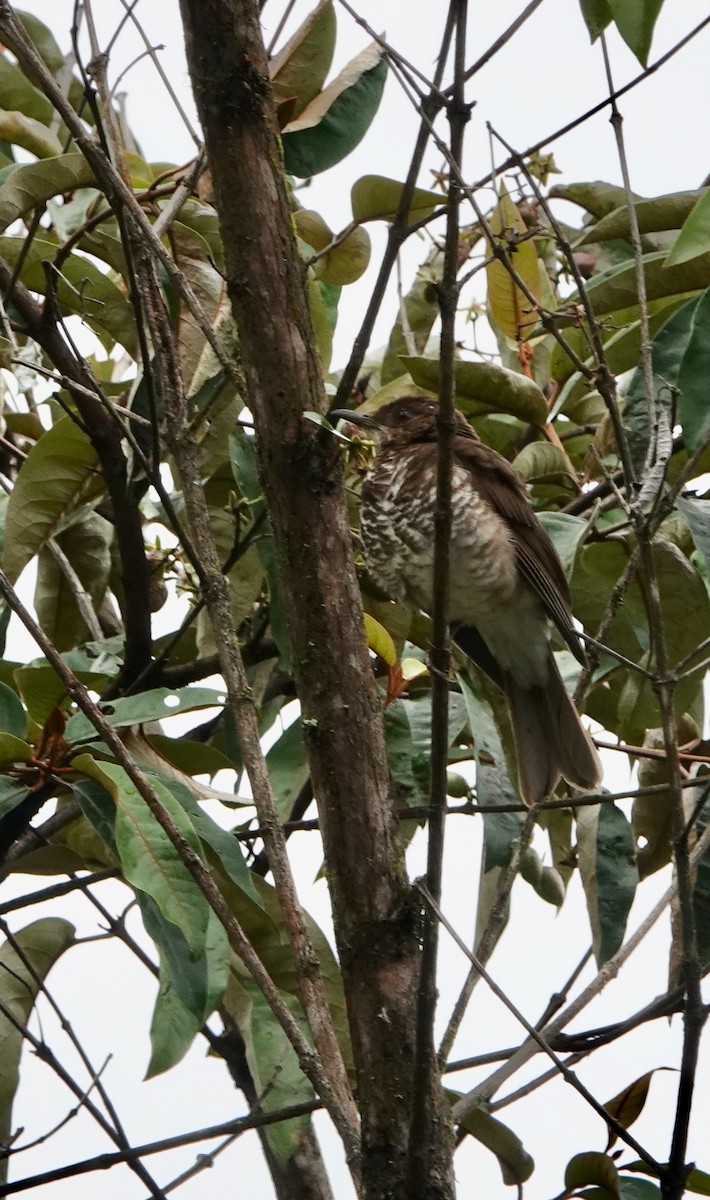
506	580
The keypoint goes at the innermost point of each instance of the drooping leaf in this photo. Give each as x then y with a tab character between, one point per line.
377	198
22	971
190	989
338	118
597	16
287	764
149	860
59	475
415	320
694	237
635	20
609	874
508	305
697	516
592	1167
628	1104
13	718
515	1163
299	69
87	546
379	640
271	1058
597	196
567	534
483	387
693	401
667	354
18	95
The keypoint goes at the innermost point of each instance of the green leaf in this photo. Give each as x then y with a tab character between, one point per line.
694	237
693	402
377	198
638	1189
417	315
299	69
483	387
616	289
598	197
697	516
244	469
31	135
508	305
271	1059
22	972
11	794
567	534
59	475
87	545
635	20
81	288
287	764
379	640
154	705
628	1104
515	1163
609	874
13	718
655	215
148	857
543	462
667	353
596	15
347	261
337	119
189	990
592	1167
18	94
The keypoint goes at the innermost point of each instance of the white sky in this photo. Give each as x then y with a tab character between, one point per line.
548	74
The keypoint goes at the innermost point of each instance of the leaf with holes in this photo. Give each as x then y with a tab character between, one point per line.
153	705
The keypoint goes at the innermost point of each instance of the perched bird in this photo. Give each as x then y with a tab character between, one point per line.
506	581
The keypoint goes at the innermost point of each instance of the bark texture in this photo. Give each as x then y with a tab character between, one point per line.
376	919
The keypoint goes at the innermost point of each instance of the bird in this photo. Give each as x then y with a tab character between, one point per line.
507	587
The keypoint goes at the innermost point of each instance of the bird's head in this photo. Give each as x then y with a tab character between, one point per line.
408	420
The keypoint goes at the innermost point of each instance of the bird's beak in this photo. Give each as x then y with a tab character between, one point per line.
353	417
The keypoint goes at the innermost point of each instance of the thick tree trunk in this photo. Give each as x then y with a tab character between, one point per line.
376	919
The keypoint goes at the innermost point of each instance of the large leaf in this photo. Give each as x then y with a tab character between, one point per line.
59	475
22	971
87	546
508	305
515	1163
653	216
377	198
19	130
693	375
18	95
149	860
81	288
288	769
483	387
609	874
697	516
635	20
667	353
416	318
694	237
272	1061
299	69
33	184
597	16
153	705
334	123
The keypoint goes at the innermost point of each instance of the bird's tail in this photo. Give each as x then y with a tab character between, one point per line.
550	740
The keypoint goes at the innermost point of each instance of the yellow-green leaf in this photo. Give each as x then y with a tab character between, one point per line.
508	305
379	640
377	198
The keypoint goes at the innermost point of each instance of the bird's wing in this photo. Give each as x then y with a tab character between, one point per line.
496	480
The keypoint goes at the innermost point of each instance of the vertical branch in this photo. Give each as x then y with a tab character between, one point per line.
426	1063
